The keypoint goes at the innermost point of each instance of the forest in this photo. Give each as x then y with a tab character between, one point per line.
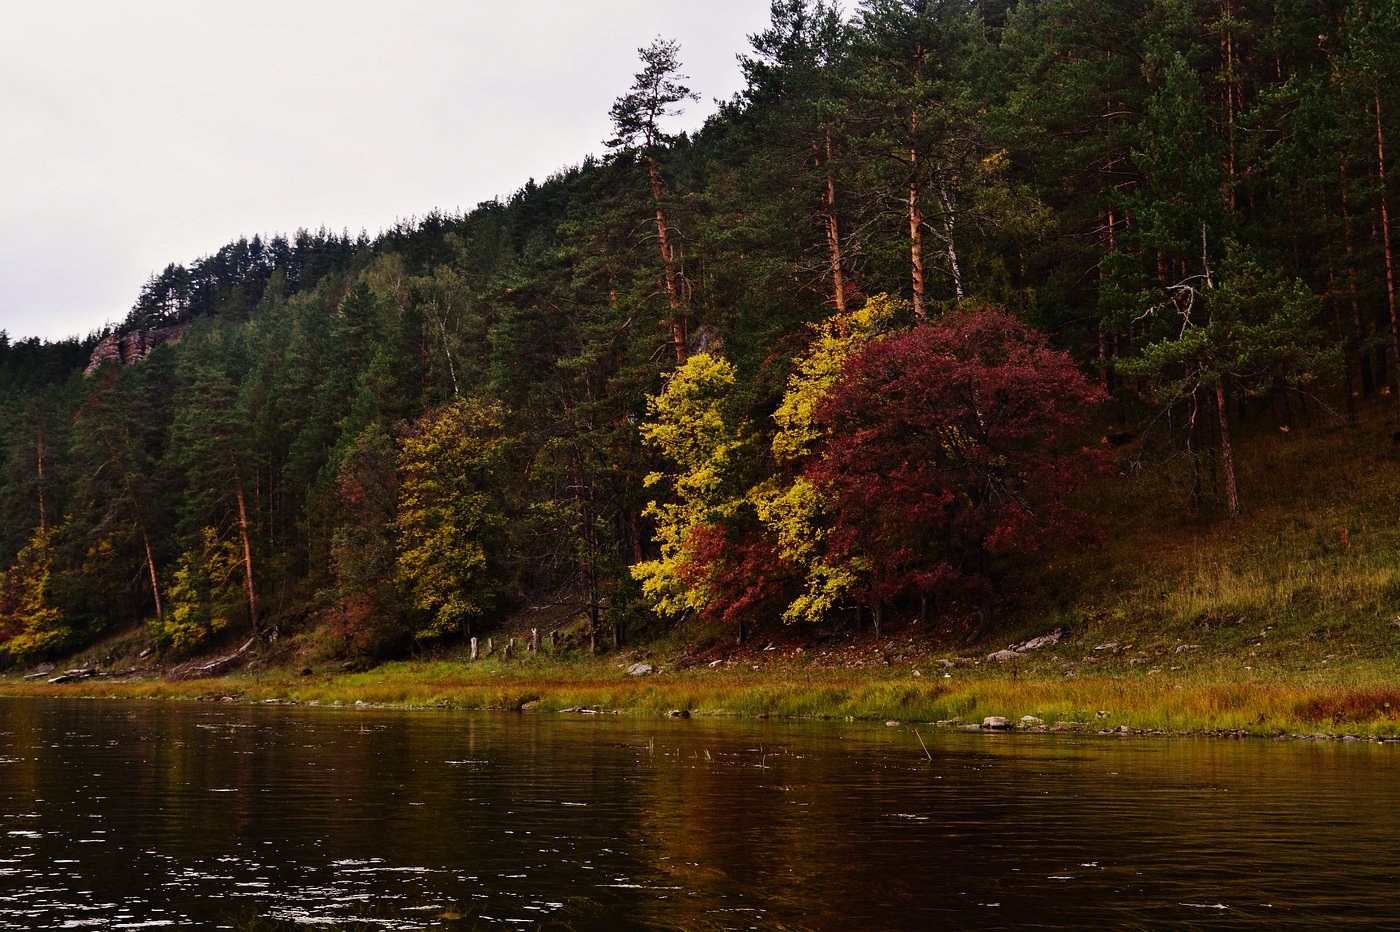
851	346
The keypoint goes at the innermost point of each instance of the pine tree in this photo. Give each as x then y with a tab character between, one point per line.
637	118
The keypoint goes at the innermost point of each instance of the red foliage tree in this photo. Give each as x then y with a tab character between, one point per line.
744	577
948	445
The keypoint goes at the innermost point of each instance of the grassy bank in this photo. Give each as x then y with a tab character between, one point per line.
1359	700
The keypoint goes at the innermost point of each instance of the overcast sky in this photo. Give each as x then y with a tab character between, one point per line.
154	131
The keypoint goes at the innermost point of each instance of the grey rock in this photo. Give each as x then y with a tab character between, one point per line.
1045	640
641	669
1003	655
997	722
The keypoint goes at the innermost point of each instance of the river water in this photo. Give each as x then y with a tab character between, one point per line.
123	815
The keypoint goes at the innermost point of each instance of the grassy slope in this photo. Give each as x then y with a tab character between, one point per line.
1307	581
1279	622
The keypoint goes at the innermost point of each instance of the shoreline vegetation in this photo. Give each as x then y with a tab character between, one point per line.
1201	705
1283	623
1350	703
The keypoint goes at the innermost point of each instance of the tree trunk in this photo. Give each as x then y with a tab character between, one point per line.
833	232
916	233
447	349
43	505
1192	456
1105	339
877	615
1348	353
1389	255
247	559
1234	98
1353	335
634	536
668	264
151	565
949	224
1227	451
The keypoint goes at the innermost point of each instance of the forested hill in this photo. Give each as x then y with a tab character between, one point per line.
853	342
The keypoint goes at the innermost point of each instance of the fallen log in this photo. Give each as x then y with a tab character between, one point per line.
194	671
68	676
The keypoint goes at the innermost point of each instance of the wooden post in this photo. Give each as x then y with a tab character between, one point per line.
534	640
554	640
475	653
510	649
490	646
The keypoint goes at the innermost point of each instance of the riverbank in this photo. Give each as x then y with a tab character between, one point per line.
1283	622
1359	701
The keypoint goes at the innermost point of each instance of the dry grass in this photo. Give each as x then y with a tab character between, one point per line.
1185	702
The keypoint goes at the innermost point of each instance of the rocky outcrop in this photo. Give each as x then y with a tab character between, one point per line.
1016	650
127	348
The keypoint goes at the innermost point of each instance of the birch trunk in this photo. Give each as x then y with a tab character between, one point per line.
247	560
833	233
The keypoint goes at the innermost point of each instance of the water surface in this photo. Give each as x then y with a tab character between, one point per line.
205	815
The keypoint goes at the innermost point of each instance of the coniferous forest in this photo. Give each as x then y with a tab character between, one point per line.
854	344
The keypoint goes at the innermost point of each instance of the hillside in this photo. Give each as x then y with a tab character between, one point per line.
963	324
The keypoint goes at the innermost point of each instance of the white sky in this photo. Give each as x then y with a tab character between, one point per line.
141	133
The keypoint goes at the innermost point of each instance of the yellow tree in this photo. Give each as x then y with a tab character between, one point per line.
30	624
205	594
694	424
791	507
450	520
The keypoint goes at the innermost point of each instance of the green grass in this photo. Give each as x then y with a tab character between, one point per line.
1201	700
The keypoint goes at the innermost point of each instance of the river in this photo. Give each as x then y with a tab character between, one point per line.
128	815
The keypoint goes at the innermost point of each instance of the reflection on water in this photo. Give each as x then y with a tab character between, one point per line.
130	815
